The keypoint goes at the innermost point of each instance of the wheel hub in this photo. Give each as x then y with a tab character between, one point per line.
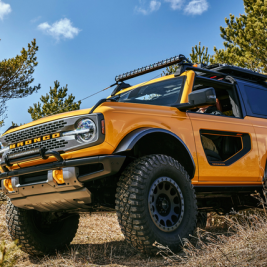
163	205
166	204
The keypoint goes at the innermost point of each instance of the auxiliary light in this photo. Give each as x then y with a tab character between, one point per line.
152	67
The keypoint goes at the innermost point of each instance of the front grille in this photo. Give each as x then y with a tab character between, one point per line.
48	145
36	131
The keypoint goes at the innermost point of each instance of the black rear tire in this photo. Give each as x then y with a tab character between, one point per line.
40	233
139	220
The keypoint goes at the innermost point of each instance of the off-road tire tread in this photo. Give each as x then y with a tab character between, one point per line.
20	231
129	206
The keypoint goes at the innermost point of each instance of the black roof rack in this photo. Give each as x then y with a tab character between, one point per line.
222	71
239	72
200	71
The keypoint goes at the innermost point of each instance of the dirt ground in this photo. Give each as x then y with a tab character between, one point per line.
98	241
236	241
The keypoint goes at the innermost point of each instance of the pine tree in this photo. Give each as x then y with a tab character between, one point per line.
199	55
16	76
14	124
246	38
56	101
3	115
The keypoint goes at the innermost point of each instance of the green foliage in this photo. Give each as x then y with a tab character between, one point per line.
8	256
246	38
16	76
170	70
15	124
199	55
3	109
3	117
56	101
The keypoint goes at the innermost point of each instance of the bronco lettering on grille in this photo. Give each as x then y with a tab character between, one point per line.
35	140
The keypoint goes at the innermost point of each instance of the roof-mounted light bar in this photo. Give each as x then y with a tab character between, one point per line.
152	67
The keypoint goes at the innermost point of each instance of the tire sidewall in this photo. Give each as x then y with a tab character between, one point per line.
28	232
58	237
189	218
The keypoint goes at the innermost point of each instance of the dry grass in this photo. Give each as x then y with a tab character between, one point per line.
98	241
240	241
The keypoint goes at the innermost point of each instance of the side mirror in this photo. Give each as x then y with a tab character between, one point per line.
202	97
199	98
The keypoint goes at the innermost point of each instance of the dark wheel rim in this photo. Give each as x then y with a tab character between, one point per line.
166	204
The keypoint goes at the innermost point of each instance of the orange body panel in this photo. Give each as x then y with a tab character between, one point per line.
123	118
188	86
260	127
243	171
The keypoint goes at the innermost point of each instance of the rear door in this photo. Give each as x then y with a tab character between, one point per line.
255	100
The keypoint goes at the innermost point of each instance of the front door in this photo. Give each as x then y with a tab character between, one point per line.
232	166
231	157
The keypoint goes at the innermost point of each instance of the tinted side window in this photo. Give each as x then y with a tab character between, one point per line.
257	99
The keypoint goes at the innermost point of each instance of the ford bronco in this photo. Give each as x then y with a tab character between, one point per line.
161	154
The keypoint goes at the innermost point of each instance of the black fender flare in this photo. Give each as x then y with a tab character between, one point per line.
129	141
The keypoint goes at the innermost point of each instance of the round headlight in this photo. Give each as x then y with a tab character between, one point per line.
86	124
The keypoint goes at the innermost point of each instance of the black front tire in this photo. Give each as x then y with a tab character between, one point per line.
133	205
35	234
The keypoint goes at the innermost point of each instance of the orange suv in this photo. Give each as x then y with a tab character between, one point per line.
161	154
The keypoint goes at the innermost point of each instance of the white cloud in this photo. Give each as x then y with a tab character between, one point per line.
36	19
193	7
196	7
141	10
175	4
60	29
154	5
4	9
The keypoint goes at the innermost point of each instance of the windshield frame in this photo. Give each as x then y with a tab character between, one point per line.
183	78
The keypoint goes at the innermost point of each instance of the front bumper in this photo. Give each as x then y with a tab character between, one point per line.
111	163
46	195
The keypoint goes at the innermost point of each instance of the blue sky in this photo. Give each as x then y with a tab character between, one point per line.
86	43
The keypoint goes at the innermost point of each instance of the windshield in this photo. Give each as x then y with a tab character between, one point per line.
163	93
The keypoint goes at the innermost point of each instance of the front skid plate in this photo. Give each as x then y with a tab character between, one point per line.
55	201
